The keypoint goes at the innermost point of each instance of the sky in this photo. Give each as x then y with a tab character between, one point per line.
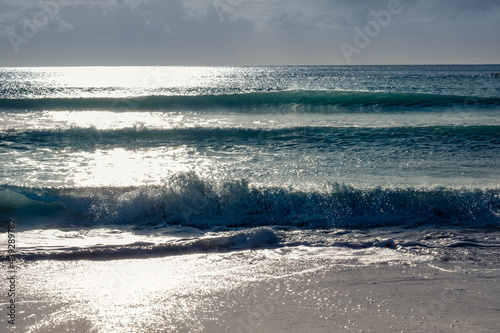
248	32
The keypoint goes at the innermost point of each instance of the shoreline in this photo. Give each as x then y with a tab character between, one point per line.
255	291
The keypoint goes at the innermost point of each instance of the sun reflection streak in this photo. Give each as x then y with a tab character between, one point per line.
130	295
104	120
177	293
124	82
121	167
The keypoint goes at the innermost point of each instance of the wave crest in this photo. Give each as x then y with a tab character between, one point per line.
185	199
322	101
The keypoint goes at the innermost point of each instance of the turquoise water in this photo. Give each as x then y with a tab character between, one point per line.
148	152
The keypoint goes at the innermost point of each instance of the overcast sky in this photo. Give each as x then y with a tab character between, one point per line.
241	32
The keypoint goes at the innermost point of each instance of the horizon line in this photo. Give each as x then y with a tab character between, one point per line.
251	65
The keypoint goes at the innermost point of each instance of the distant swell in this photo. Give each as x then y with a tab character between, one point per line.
80	137
282	101
187	200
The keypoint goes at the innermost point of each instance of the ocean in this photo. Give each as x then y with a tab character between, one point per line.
105	163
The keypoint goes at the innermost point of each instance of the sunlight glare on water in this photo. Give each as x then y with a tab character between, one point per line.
120	167
144	79
104	120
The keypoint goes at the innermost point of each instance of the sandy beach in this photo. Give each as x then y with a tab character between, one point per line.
264	290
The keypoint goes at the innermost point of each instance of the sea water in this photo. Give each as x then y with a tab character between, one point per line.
139	162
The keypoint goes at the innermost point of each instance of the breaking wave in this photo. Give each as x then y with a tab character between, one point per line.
187	200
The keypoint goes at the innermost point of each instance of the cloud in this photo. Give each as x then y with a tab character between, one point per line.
267	14
241	31
23	20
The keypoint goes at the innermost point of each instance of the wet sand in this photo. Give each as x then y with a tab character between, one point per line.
254	291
